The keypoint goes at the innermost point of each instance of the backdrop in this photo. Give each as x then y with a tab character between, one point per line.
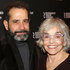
42	9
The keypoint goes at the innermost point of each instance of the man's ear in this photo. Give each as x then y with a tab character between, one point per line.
5	24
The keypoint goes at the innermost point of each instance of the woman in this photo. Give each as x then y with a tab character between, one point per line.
55	40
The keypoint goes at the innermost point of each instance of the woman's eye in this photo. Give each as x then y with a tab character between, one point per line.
46	36
58	36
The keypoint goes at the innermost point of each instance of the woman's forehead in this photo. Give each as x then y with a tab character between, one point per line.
53	29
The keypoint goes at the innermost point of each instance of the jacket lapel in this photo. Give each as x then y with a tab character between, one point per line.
16	54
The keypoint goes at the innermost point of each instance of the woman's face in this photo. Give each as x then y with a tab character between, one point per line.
53	40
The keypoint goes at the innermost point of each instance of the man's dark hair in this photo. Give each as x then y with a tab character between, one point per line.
14	4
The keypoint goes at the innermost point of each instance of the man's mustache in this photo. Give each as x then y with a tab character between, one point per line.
22	31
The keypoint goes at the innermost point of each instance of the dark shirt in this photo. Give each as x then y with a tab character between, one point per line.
13	56
24	52
65	65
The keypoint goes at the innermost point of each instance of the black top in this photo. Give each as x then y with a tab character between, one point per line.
65	65
24	52
12	59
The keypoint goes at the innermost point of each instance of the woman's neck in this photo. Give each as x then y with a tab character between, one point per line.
56	57
54	60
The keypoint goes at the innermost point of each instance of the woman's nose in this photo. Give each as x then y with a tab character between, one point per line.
52	40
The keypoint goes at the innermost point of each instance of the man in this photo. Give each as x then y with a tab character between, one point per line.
19	52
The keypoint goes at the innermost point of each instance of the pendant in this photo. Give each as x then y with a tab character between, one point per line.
50	67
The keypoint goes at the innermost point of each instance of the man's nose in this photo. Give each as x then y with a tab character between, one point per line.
22	26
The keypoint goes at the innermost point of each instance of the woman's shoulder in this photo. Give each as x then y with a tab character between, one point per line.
68	59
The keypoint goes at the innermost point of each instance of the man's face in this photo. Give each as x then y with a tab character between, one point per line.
18	24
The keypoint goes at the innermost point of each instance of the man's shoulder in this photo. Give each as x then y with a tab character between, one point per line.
7	64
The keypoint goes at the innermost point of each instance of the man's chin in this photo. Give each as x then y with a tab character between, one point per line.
21	37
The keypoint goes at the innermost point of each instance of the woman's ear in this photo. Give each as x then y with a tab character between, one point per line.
5	24
65	43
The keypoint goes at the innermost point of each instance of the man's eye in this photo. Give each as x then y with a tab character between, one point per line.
15	21
26	20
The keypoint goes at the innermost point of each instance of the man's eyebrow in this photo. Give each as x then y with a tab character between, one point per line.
15	20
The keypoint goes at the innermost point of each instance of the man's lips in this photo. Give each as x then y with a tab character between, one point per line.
21	33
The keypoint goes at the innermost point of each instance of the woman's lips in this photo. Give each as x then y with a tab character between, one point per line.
52	47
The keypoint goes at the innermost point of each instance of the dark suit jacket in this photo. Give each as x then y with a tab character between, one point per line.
12	59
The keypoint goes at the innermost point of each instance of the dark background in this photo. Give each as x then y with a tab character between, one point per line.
39	7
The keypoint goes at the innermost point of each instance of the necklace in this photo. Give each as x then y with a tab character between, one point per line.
51	67
56	63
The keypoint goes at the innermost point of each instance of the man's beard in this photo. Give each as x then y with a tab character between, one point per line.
20	37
